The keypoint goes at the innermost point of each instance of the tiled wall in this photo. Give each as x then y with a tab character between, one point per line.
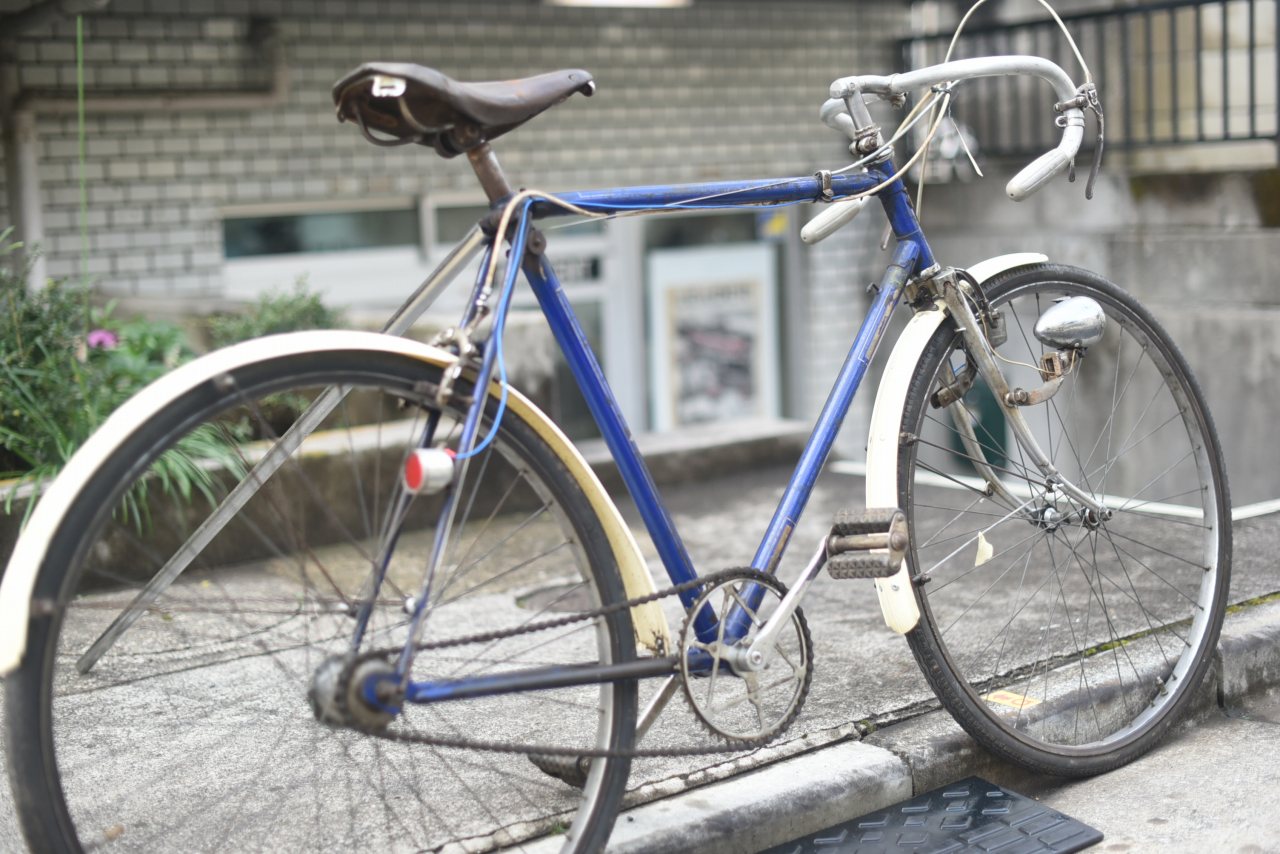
720	89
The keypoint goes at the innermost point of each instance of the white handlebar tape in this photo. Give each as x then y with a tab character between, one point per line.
1047	165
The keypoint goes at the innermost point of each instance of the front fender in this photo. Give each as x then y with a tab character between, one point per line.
897	602
18	584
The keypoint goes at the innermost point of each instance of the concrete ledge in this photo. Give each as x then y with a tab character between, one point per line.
695	453
798	796
1249	652
705	451
769	806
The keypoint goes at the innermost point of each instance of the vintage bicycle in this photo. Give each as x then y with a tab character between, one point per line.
398	610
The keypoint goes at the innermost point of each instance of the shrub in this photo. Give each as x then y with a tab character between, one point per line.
280	311
273	313
64	367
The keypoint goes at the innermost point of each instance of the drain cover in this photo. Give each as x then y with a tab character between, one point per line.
971	815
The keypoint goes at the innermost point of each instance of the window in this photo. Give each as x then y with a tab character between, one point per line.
364	254
334	231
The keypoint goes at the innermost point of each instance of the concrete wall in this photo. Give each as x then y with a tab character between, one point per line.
1194	250
716	90
1191	230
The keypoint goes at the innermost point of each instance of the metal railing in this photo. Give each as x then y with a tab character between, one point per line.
1169	73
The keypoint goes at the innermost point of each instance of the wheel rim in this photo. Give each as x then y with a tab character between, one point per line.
1059	637
204	700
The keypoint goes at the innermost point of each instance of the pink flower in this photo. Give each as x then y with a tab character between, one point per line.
102	338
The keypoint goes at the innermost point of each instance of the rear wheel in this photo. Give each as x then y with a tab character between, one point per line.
194	729
1062	641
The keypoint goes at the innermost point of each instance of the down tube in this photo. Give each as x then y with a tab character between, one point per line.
833	411
600	400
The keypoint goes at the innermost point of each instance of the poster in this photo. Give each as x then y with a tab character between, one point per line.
714	321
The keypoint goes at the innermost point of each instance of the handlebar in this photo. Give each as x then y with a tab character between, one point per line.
834	113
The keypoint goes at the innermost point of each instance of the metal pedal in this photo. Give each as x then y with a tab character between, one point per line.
872	520
862	566
867	544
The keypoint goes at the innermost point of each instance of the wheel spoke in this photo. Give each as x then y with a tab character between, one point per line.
1073	632
227	662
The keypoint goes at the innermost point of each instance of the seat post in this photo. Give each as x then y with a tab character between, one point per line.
485	164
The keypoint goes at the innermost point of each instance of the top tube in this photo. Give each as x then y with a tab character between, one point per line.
717	195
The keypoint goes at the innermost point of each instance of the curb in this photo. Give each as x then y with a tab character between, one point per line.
704	452
808	793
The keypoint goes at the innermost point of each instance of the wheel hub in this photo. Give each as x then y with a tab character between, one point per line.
1048	517
337	693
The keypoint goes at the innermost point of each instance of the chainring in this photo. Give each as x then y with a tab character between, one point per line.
738	703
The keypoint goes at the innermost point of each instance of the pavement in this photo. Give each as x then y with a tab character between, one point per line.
871	733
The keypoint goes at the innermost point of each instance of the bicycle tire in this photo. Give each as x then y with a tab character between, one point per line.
1106	629
195	731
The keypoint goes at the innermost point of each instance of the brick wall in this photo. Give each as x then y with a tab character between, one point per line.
716	90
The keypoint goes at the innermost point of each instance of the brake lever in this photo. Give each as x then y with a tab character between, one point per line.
1096	106
1086	98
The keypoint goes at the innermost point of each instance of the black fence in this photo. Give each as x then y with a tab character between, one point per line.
1168	73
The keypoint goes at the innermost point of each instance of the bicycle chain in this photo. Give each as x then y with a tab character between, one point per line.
343	688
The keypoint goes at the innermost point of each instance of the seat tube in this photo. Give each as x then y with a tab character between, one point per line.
617	435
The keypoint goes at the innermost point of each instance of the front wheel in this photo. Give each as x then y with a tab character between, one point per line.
194	730
1060	640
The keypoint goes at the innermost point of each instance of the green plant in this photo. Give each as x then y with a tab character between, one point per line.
273	313
63	370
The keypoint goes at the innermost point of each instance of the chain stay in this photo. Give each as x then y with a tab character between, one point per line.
734	746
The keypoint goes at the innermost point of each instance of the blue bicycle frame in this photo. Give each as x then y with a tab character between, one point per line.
911	256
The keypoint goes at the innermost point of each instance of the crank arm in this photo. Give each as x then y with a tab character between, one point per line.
756	656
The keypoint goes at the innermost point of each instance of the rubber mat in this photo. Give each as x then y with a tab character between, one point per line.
970	815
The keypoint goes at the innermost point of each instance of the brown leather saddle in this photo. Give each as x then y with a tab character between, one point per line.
396	103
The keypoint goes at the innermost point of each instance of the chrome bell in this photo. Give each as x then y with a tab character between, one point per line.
1071	323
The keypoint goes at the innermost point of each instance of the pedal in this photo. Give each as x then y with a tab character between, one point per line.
862	566
867	544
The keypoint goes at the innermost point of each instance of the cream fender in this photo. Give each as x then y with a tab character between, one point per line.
897	601
19	579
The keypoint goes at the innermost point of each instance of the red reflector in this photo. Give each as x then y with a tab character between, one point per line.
413	472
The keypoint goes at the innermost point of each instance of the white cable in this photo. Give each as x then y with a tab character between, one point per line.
955	38
1084	66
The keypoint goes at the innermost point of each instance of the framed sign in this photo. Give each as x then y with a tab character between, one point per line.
714	342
